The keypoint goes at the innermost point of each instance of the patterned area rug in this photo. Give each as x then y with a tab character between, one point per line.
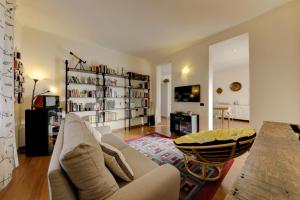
162	150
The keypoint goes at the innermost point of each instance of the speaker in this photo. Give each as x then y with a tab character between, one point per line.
151	120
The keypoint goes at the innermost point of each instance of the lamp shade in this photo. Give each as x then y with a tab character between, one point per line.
37	75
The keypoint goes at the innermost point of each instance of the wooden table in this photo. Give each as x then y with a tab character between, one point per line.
272	169
222	109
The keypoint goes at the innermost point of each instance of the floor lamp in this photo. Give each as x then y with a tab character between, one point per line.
33	91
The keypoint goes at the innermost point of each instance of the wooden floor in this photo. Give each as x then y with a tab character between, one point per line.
30	178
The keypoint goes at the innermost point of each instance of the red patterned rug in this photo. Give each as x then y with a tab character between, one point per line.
162	150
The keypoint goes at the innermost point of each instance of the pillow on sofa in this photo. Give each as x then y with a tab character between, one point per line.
116	162
93	131
82	160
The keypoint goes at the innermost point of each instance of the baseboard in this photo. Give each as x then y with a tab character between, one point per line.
21	150
241	120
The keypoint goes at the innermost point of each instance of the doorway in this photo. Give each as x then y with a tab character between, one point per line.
229	83
163	92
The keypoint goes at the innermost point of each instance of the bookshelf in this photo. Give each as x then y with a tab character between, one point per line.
107	96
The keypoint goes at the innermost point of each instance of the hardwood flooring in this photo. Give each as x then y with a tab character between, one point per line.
30	178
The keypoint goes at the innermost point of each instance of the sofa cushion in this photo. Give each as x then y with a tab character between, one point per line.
139	163
93	131
114	141
83	161
116	162
60	187
104	130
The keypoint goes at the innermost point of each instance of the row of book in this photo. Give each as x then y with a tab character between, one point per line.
94	119
104	117
105	105
112	93
110	104
99	81
139	103
85	80
85	93
143	85
107	70
137	76
111	82
111	116
78	107
137	94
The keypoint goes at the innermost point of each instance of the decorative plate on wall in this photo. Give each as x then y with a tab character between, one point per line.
236	86
219	90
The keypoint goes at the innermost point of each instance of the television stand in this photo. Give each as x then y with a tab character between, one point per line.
182	124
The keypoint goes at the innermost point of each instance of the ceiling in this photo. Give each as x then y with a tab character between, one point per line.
152	29
230	53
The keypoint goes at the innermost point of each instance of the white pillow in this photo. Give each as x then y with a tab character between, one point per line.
93	131
116	162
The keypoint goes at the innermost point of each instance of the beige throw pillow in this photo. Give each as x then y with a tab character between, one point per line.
82	160
116	162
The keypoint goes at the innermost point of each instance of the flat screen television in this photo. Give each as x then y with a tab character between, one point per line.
189	93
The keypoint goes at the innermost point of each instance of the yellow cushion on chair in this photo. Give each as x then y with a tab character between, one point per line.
215	137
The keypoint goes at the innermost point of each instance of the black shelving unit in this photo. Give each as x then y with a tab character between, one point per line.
40	137
102	87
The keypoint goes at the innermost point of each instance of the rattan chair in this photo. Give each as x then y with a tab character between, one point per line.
213	152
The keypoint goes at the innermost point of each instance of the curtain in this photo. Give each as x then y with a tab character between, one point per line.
8	153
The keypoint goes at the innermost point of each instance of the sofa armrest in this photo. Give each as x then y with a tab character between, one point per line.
160	183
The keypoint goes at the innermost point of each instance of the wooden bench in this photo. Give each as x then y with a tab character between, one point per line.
272	169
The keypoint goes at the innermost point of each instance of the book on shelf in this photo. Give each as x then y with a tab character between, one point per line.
75	93
144	103
137	76
111	82
104	69
113	93
111	86
85	80
111	116
110	104
138	94
94	119
79	107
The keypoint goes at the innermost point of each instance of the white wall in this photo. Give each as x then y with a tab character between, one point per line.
162	71
196	60
165	96
164	100
46	53
224	78
274	66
